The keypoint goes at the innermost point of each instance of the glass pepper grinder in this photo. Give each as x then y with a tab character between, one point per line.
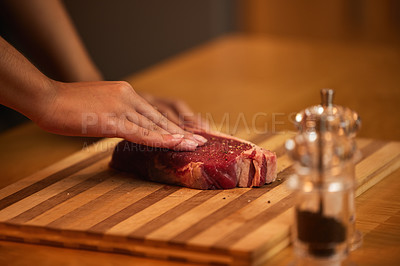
341	121
323	153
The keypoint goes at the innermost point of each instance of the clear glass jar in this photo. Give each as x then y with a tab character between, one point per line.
323	152
323	210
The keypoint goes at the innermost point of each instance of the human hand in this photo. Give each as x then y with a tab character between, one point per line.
110	109
177	111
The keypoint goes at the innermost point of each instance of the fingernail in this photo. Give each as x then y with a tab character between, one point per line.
200	138
177	136
189	143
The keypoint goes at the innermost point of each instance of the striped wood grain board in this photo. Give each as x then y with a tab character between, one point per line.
80	203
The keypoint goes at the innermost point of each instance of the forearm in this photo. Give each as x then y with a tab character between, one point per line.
47	24
22	86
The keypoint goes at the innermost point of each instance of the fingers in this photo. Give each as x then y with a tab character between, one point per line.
140	135
161	121
148	97
148	111
168	112
144	122
164	108
170	108
189	117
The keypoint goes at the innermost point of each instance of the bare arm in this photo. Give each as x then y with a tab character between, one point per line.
98	109
47	25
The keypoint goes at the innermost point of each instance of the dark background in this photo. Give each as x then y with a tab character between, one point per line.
125	36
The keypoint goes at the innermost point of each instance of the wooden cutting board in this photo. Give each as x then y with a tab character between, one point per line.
80	203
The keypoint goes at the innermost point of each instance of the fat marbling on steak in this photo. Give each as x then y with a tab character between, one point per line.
222	162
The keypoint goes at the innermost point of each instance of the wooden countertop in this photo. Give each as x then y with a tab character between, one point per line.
278	78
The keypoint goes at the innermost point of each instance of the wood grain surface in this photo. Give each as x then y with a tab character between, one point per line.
81	203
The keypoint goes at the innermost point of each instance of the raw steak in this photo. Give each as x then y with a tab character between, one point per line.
223	162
